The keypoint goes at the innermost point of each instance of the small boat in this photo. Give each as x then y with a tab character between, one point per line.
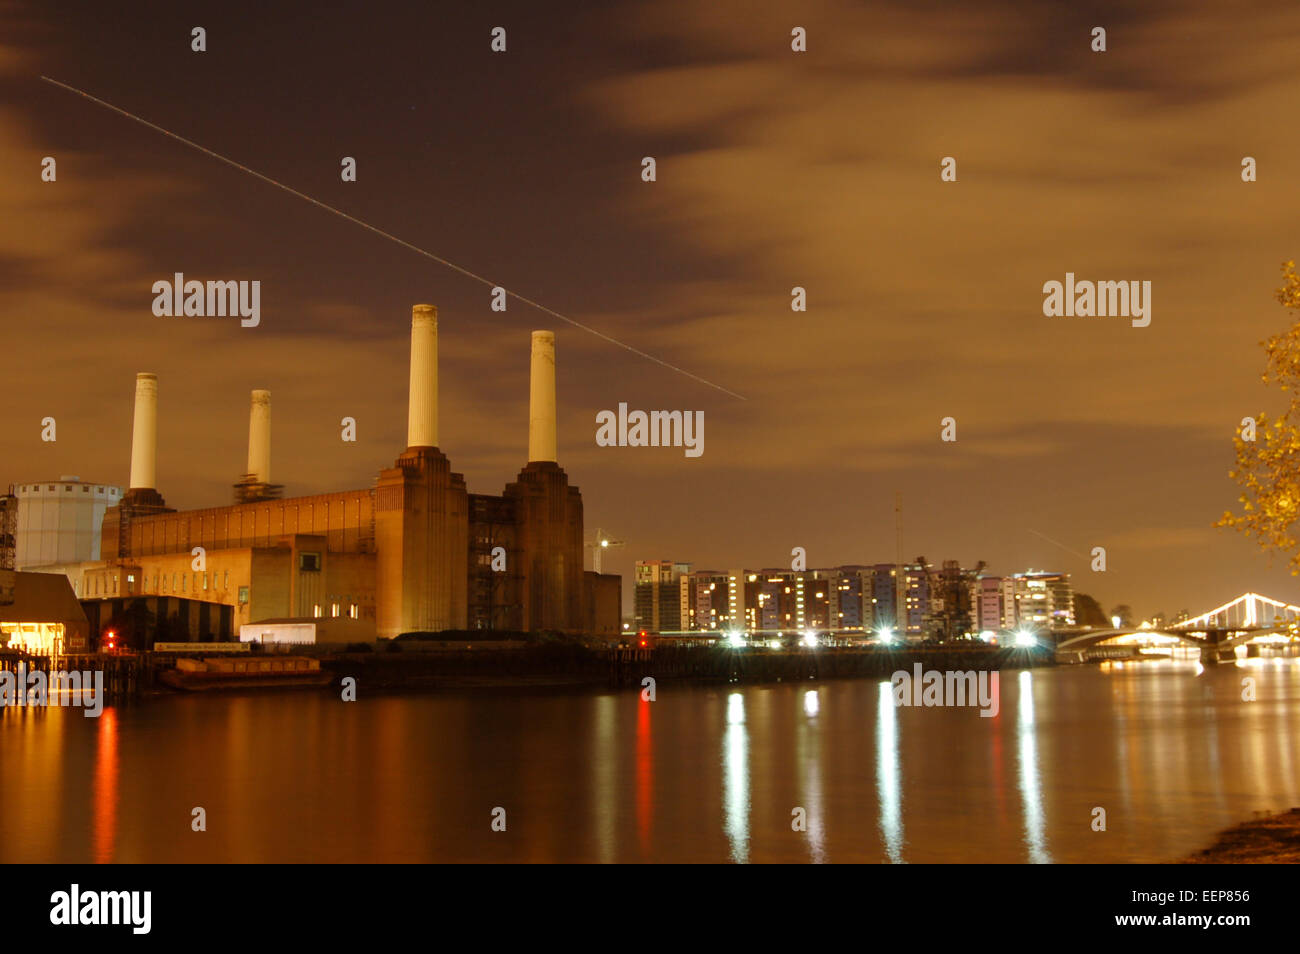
199	675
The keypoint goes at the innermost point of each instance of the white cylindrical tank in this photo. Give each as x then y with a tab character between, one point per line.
59	521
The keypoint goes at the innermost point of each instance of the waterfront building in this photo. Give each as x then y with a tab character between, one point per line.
708	608
415	553
988	604
947	601
661	588
40	614
1043	600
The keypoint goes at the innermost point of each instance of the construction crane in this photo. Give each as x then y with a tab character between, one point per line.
599	546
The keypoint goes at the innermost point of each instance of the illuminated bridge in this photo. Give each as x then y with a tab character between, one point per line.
1249	619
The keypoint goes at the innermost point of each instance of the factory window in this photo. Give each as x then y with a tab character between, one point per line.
205	579
315	611
334	610
243	594
173	582
116	581
309	562
225	585
184	581
67	489
352	611
85	490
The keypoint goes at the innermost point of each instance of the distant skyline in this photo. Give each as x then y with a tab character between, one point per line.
774	170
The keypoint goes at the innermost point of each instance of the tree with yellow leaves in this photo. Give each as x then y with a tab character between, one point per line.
1268	452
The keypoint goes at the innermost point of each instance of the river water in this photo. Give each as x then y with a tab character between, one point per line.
1169	750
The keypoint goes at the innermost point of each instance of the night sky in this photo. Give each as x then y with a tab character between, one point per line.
775	169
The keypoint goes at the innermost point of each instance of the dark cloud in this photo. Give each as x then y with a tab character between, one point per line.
775	170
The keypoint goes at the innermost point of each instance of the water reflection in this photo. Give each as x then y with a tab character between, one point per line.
811	704
809	739
889	784
735	767
1174	757
644	775
1031	785
105	789
604	739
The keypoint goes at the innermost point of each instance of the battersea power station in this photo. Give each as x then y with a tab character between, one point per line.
414	553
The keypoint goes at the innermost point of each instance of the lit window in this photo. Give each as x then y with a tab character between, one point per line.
354	611
315	611
334	610
243	594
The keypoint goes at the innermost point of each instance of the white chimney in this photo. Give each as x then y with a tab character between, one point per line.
541	399
259	437
422	419
144	433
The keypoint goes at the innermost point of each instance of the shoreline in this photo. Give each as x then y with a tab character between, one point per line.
1268	839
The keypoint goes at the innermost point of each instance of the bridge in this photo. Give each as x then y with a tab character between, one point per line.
1250	618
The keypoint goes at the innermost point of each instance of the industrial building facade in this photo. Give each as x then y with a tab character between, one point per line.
414	553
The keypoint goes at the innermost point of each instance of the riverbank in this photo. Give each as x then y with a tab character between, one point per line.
1273	839
557	666
561	665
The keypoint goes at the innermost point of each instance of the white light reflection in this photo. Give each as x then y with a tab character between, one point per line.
1030	784
604	740
809	751
889	787
735	767
811	704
